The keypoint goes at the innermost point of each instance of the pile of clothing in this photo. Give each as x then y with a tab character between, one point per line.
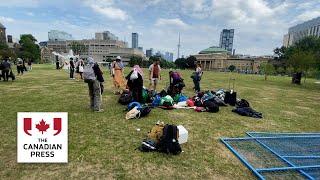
243	108
136	110
162	138
208	101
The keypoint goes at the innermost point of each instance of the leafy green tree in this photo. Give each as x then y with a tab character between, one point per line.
191	62
29	49
78	48
267	69
302	61
232	68
181	63
108	59
135	60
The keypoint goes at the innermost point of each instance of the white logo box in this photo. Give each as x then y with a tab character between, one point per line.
42	137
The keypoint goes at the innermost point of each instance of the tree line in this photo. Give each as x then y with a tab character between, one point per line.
180	63
26	49
300	59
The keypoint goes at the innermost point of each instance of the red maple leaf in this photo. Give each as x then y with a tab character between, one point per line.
42	126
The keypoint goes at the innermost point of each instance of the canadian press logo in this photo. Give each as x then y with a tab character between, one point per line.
42	137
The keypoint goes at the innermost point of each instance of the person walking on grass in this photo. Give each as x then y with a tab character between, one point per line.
29	65
71	68
92	75
117	74
197	77
20	67
6	69
154	74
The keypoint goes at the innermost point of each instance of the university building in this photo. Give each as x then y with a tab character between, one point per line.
298	32
102	48
217	59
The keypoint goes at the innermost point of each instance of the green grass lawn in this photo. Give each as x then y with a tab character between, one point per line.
102	145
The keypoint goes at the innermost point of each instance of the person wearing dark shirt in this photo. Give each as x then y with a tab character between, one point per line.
71	68
135	83
6	69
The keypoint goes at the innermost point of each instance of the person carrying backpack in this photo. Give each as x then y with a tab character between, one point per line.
92	75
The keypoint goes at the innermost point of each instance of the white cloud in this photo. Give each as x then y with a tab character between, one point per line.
110	12
196	5
307	15
6	19
107	8
176	22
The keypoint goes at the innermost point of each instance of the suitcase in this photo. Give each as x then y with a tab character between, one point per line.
231	95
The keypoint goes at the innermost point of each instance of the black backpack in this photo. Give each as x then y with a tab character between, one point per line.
148	145
125	98
145	111
169	141
230	98
211	106
242	103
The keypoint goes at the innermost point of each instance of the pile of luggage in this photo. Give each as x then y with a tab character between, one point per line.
162	138
173	98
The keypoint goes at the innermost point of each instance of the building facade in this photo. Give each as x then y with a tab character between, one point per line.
100	50
149	52
55	35
218	59
168	56
106	35
135	40
3	38
226	39
298	32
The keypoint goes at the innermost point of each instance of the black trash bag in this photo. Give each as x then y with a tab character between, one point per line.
169	141
211	106
125	98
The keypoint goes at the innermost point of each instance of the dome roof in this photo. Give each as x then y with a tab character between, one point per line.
213	49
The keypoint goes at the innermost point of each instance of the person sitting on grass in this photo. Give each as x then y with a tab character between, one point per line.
135	83
94	84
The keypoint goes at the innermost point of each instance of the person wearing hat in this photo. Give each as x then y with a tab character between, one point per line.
117	74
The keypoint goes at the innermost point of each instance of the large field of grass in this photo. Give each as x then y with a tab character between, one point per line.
103	145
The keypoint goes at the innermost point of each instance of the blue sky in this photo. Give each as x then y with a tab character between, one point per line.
259	24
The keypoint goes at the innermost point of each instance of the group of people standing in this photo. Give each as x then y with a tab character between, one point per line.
133	81
135	77
21	66
6	71
76	66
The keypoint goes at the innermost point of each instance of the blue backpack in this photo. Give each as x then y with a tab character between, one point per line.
156	101
134	104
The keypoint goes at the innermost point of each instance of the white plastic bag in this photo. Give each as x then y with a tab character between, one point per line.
134	75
